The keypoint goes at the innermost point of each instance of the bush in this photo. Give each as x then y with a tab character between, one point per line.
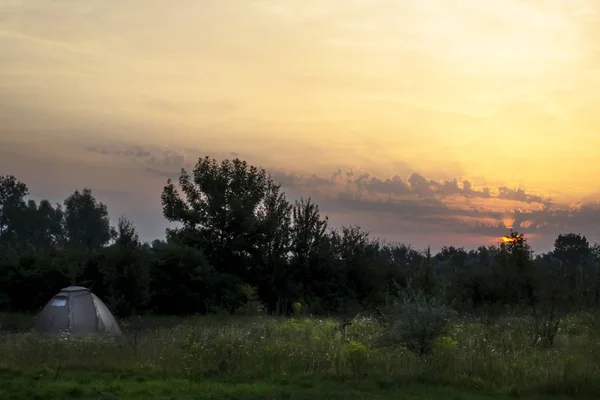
419	320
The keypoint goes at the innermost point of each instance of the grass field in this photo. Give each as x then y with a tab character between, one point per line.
301	358
89	385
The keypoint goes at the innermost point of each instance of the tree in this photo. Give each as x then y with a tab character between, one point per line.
574	251
12	200
86	221
26	227
596	251
454	257
270	270
308	232
572	248
426	279
358	253
42	226
12	205
515	259
126	273
30	282
237	236
228	209
183	282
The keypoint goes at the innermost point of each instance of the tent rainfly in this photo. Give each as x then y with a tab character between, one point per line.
76	310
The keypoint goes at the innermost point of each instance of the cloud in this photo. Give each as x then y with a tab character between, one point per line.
415	184
135	151
411	204
158	161
451	206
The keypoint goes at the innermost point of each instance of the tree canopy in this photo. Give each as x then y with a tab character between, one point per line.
241	244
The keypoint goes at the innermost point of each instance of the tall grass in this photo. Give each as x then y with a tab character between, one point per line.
504	357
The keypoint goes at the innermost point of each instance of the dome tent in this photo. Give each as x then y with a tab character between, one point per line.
75	309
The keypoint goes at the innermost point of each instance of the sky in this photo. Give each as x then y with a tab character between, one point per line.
427	122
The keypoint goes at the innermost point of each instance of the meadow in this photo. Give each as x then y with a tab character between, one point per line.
263	357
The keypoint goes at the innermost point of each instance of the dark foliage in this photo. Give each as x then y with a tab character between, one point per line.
237	230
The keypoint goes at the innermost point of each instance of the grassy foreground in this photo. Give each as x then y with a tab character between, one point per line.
301	358
89	385
108	386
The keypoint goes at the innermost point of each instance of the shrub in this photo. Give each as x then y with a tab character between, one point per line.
419	320
357	355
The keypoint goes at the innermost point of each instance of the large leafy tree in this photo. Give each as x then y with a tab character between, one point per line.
232	211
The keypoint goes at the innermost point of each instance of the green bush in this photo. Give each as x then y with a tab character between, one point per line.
419	320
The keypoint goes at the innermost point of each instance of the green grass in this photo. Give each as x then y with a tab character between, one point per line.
300	358
90	385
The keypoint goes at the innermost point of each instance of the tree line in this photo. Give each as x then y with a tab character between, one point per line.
240	245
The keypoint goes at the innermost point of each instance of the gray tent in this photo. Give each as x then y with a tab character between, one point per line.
76	310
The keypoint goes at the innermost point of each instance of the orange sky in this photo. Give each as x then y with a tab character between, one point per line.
503	94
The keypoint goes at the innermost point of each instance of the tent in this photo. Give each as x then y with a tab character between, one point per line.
76	310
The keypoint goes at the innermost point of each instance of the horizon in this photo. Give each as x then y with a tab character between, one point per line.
421	122
495	241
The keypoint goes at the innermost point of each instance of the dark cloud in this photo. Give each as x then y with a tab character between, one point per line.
413	203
